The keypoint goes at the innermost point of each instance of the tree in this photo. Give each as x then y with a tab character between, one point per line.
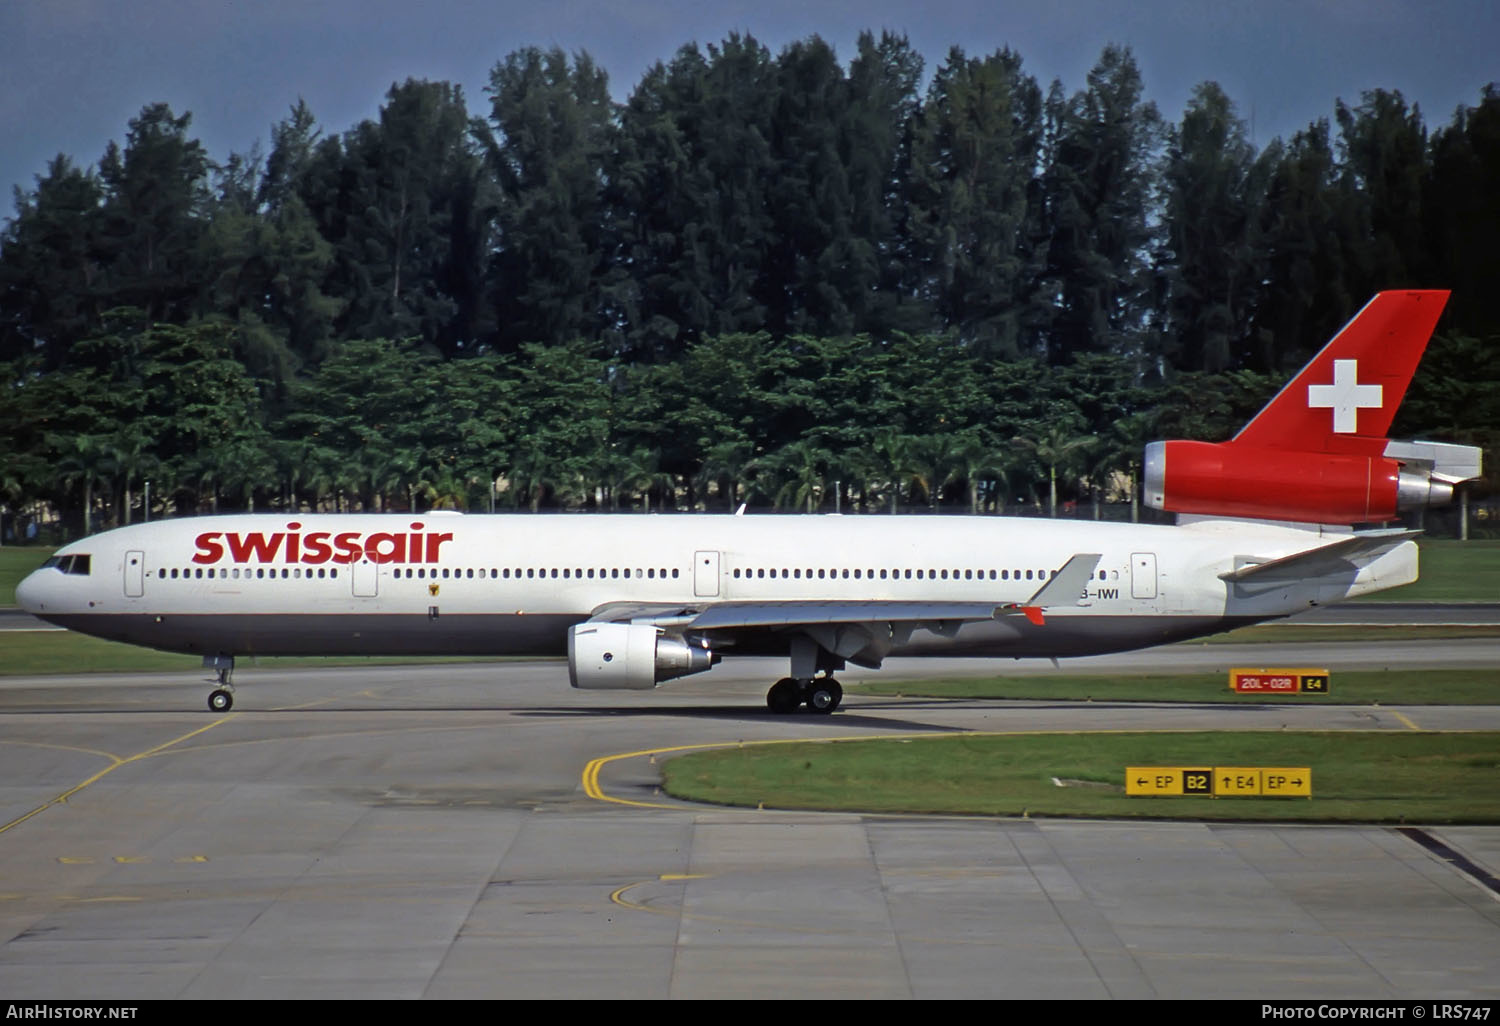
1306	229
975	152
401	201
883	101
154	218
554	138
1384	146
1100	176
1461	209
50	265
801	467
1210	266
1057	448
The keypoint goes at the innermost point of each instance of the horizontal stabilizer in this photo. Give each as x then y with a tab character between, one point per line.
1444	460
1330	558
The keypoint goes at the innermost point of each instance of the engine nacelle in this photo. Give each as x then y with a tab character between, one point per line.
1232	480
629	656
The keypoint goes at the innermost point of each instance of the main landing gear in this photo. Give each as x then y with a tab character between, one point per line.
221	698
819	694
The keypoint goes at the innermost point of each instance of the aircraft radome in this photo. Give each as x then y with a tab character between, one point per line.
1266	529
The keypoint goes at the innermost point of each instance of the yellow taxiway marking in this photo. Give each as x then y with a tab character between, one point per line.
590	777
115	763
1402	717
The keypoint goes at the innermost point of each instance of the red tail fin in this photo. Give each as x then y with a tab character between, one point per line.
1344	400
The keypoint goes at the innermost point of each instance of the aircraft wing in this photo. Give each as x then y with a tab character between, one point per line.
1325	559
789	614
1064	588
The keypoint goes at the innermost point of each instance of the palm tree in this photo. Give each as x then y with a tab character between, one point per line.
1057	447
802	467
726	464
929	463
85	461
445	487
975	461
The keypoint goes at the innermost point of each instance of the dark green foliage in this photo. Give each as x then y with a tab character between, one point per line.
554	134
774	278
1101	171
1210	267
974	203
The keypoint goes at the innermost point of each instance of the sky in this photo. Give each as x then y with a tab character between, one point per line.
73	72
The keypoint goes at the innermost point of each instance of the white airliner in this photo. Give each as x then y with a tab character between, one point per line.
1266	530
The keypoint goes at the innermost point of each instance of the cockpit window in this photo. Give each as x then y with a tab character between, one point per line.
78	563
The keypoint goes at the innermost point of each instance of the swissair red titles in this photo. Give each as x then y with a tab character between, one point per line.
291	546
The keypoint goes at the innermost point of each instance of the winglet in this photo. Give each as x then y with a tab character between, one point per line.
1065	588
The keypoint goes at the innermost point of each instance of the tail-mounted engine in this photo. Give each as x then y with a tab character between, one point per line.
1236	480
629	655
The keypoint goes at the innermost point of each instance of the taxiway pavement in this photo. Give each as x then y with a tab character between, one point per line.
425	831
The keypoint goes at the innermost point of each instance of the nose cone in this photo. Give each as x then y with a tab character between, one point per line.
31	592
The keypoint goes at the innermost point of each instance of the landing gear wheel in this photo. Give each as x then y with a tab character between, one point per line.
784	696
824	695
220	700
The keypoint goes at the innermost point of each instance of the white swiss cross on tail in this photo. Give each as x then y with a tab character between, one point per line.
1346	397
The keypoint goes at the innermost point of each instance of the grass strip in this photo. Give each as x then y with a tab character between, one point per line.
1347	687
16	561
1451	571
1366	777
36	653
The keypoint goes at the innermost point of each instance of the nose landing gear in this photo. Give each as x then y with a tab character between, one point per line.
221	698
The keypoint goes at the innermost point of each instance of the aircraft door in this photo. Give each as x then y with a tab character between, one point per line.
705	574
364	576
1143	575
135	574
